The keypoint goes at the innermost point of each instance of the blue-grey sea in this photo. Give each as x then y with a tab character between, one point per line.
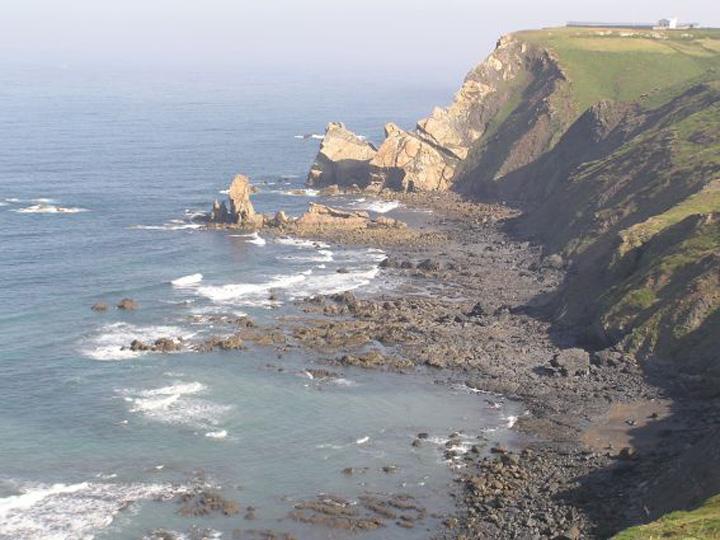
100	177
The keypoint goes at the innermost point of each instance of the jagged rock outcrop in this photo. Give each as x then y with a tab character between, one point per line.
445	144
406	162
240	212
343	159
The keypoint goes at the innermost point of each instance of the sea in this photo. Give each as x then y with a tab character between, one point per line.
102	177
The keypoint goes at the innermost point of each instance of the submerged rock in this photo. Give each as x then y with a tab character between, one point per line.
128	304
99	306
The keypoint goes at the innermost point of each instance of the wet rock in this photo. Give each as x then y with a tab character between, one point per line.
205	502
99	306
128	304
230	343
166	345
373	360
136	346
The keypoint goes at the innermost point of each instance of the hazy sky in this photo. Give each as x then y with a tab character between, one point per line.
441	37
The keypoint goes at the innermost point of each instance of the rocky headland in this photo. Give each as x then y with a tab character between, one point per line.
573	263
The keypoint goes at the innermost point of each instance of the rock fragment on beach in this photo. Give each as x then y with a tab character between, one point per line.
571	362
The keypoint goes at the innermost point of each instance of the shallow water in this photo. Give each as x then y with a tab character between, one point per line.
99	179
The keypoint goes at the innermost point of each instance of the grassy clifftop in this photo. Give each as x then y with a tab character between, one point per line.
628	189
589	65
700	524
626	65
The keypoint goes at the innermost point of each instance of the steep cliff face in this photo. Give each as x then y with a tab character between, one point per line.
516	77
609	141
630	197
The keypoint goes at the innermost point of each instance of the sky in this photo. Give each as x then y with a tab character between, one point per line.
438	38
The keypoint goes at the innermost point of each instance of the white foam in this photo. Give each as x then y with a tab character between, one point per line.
187	281
301	243
363	440
322	255
170	226
250	293
379	207
296	192
72	512
216	434
511	421
316	136
108	344
176	404
45	208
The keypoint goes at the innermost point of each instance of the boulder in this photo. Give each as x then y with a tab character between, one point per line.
99	306
571	362
281	219
343	159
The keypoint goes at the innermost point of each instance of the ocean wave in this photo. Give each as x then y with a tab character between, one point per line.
187	281
296	192
252	294
379	207
69	512
295	286
113	339
322	255
316	136
253	238
170	226
45	208
217	434
301	243
176	404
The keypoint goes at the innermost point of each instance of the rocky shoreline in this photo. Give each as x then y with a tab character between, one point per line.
482	327
470	312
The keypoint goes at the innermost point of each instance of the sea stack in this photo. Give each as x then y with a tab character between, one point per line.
240	212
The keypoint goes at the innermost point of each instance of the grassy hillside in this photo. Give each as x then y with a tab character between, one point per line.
631	196
700	524
626	65
588	66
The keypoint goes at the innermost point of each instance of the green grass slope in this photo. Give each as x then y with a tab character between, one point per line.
700	524
627	65
632	197
588	66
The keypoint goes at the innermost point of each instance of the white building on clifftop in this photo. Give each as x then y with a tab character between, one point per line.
662	24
